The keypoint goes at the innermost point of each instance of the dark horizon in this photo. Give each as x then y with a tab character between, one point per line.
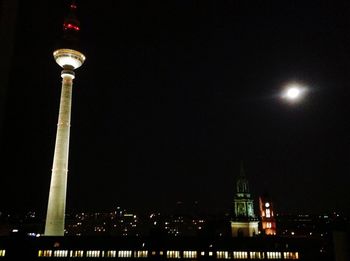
173	97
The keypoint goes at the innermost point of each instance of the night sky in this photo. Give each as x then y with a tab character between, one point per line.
173	96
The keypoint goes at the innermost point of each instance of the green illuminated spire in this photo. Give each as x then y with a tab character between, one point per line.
242	185
244	207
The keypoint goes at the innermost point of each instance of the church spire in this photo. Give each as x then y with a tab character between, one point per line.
244	221
242	185
242	172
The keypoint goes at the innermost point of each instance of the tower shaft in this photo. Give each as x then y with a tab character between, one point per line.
57	198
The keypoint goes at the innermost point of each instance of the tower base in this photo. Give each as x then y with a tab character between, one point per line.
244	229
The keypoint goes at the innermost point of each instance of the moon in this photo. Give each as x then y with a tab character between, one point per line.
293	92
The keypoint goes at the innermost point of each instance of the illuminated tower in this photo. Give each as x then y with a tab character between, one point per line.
244	222
267	215
67	56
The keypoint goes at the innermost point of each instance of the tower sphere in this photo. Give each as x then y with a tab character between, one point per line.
69	58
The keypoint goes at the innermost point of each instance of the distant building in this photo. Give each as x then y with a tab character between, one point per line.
244	222
115	223
159	248
267	216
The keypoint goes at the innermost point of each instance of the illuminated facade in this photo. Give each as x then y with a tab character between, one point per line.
244	222
188	248
69	59
267	215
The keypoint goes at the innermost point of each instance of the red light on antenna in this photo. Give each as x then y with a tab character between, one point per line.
70	26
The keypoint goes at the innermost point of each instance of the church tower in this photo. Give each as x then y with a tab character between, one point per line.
244	222
267	216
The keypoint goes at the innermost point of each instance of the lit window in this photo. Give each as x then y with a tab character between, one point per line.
93	253
256	255
273	255
190	254
268	225
291	255
222	255
45	253
111	253
76	253
124	253
268	213
240	255
60	253
2	252
173	254
141	253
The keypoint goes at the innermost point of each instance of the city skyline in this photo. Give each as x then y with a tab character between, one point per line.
173	97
